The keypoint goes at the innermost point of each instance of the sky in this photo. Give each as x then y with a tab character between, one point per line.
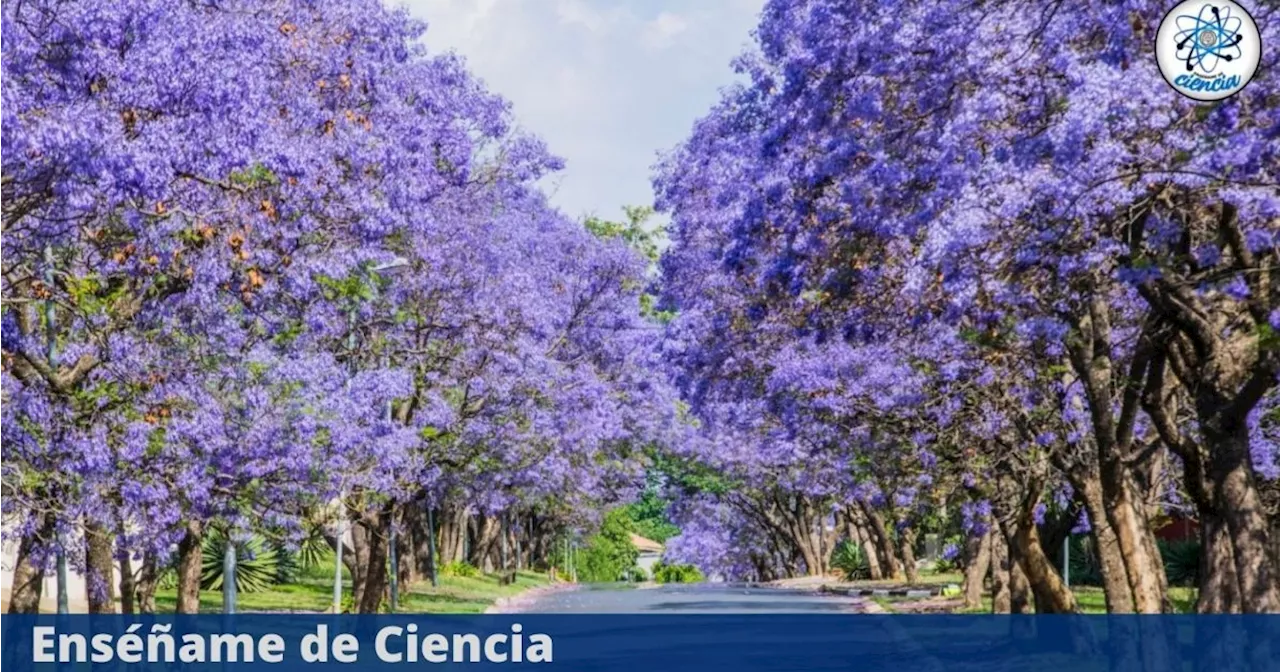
608	84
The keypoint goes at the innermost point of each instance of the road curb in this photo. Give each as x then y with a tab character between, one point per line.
517	603
882	592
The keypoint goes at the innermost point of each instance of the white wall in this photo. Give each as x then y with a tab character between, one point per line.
77	596
646	561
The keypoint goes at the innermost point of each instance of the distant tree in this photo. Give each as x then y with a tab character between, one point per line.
649	516
609	555
643	237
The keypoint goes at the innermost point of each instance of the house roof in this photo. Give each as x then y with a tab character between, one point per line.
645	545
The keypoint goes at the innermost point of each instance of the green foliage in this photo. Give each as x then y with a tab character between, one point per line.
634	232
649	517
851	559
459	568
312	554
690	476
168	578
1086	569
257	565
1181	561
609	555
642	237
664	573
256	175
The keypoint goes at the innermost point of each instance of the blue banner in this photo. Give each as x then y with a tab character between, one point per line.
661	643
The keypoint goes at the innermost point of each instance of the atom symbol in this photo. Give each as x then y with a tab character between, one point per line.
1208	38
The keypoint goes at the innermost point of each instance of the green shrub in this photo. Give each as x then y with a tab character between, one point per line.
459	568
257	565
851	559
1181	561
1086	569
311	558
663	573
609	554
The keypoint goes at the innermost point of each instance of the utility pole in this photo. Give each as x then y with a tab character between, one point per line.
395	566
51	352
1066	561
515	538
502	533
432	556
229	576
342	506
395	560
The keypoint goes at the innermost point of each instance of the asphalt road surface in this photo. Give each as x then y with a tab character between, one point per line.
702	598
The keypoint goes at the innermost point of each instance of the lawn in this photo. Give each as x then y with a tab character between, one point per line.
1093	601
455	595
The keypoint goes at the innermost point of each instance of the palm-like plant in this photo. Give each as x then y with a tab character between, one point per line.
851	560
257	564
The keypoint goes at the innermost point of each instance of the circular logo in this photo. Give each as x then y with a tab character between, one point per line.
1208	49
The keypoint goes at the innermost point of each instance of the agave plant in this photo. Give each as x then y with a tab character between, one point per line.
257	564
1181	561
851	560
294	561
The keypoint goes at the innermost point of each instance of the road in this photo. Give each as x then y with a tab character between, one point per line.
703	598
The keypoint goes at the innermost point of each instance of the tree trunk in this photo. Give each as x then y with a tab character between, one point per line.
1231	472
1130	527
376	543
1019	587
487	533
977	564
422	544
1001	598
1052	595
348	553
1115	579
147	583
406	544
359	565
883	541
189	561
874	568
858	534
453	531
128	590
99	569
1219	587
128	593
28	575
907	548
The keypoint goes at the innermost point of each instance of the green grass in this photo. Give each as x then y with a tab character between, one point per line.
455	595
1093	600
927	578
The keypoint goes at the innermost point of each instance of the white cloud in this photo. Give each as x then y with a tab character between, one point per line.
662	31
578	13
608	84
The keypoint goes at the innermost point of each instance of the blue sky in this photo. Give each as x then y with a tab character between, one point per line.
608	84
